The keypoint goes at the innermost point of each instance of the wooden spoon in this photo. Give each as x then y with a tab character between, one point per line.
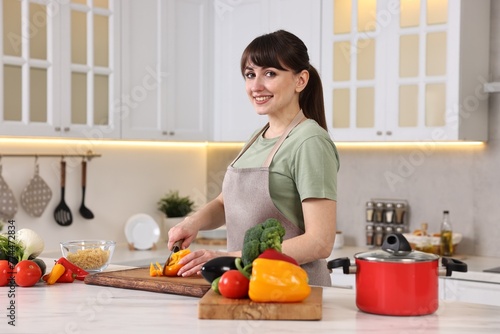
62	213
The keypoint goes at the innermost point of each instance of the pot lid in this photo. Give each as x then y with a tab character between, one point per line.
396	248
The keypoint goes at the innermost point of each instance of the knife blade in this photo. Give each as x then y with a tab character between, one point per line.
175	248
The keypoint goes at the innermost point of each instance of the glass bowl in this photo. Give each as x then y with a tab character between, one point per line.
90	255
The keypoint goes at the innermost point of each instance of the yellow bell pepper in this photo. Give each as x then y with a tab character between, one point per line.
278	281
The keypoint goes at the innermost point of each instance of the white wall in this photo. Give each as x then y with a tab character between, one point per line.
126	180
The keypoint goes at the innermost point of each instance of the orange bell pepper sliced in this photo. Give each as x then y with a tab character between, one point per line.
155	269
173	266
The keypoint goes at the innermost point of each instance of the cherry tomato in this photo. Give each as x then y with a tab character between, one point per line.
233	284
5	272
27	273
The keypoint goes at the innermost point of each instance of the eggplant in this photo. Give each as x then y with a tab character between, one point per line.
217	266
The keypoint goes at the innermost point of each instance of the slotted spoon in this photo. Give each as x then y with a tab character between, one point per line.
62	213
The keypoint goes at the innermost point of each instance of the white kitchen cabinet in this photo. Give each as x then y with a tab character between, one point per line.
406	70
166	73
62	80
486	293
236	24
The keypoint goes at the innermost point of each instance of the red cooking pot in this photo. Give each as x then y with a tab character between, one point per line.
395	280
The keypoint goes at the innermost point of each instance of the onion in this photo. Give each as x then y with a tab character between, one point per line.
33	244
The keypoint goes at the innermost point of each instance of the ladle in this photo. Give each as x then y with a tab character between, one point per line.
84	211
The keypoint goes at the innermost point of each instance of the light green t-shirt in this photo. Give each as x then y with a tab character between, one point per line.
305	166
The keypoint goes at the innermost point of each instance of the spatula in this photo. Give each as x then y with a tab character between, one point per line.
84	211
62	213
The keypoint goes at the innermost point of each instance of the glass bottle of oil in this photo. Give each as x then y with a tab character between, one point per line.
446	244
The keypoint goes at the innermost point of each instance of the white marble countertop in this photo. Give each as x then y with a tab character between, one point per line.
82	308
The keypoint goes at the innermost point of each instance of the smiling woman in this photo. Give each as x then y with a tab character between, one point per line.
286	171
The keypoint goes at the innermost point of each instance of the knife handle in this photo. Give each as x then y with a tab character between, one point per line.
177	246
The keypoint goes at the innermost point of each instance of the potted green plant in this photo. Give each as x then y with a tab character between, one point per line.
175	207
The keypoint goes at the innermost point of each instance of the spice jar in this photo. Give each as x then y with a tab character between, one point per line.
370	211
379	236
389	213
379	212
400	213
369	235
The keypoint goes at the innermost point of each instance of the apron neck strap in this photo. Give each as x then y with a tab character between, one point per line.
300	116
254	138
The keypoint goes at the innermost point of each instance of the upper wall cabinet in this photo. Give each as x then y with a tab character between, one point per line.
165	53
59	68
406	70
236	24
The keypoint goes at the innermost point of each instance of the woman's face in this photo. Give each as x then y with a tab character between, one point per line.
273	91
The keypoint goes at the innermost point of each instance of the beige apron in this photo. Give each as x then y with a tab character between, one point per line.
247	202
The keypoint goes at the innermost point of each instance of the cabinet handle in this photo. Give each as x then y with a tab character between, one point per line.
168	133
57	128
66	129
389	133
379	133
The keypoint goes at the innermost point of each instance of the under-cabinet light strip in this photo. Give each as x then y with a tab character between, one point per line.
149	143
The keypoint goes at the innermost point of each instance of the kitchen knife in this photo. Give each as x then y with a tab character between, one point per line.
175	248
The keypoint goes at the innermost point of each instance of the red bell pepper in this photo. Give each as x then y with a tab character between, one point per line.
273	254
79	272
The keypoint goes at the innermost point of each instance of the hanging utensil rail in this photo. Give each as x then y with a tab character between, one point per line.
89	155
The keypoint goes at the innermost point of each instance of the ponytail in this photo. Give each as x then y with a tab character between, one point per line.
311	99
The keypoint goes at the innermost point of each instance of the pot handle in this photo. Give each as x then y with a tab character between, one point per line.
453	265
396	243
343	262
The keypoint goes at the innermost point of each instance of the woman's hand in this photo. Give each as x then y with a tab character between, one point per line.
209	217
194	261
186	230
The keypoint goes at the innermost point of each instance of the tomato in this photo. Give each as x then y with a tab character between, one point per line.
233	284
5	272
27	273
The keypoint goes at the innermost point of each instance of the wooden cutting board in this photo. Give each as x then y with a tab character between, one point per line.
139	279
214	306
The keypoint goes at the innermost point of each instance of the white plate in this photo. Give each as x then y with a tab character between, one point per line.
142	231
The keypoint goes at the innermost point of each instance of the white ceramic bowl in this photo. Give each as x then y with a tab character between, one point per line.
90	255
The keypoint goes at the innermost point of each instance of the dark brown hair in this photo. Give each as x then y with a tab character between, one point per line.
285	51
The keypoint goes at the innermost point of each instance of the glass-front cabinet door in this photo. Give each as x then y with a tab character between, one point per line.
59	71
405	70
28	72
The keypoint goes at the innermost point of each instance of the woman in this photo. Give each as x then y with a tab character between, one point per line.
287	171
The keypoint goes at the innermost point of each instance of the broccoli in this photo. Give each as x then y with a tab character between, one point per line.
268	234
